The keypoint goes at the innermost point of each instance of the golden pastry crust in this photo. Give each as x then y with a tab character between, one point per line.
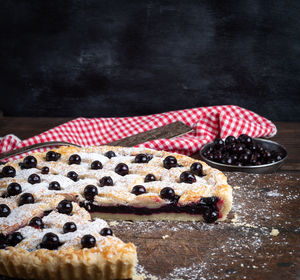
96	263
111	258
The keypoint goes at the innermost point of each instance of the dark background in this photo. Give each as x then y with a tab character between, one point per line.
118	58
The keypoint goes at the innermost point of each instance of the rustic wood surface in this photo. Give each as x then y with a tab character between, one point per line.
241	247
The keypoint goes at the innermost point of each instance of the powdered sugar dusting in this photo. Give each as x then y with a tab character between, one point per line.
239	248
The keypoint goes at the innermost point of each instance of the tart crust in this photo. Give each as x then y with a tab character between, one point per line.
112	260
67	264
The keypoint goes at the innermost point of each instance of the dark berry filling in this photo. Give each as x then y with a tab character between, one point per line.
122	169
8	171
26	198
34	179
69	227
207	207
149	178
187	177
197	169
36	222
50	241
138	189
106	231
74	159
14	239
72	175
96	165
65	207
29	162
170	162
14	189
54	186
88	241
90	191
4	210
110	154
106	181
52	156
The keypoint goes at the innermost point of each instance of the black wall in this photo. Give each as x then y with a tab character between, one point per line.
118	58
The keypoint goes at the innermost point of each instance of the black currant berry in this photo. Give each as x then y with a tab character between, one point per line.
106	231
88	241
69	227
65	207
138	189
122	169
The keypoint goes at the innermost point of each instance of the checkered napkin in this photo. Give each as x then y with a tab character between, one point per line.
207	122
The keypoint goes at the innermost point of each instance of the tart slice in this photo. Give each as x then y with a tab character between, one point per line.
48	201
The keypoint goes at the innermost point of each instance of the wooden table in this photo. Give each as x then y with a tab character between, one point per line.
241	247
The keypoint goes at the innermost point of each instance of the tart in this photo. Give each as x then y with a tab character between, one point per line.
52	207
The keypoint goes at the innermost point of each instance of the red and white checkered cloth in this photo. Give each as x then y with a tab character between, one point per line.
207	122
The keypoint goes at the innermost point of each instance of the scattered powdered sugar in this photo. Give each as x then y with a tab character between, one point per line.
273	193
248	241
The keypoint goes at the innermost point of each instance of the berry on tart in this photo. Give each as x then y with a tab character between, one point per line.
110	154
142	158
65	207
34	179
14	239
106	181
74	159
122	169
54	185
72	175
45	170
197	169
96	165
4	210
106	232
52	156
8	171
26	198
187	177
36	222
88	241
29	162
149	178
14	189
167	193
50	241
90	191
69	227
169	162
138	189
